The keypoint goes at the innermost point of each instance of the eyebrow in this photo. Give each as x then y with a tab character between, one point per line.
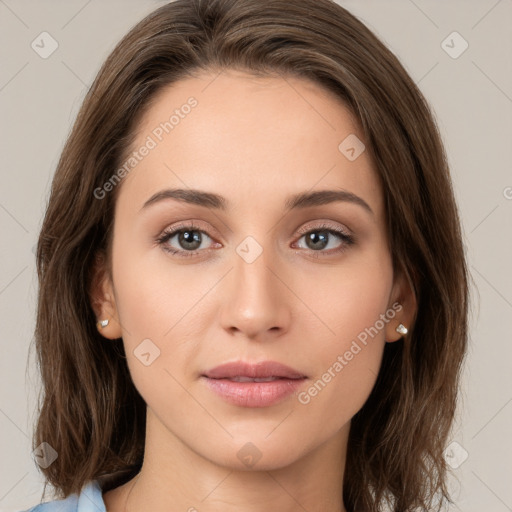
297	201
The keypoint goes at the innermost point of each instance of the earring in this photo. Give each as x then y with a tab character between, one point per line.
401	329
102	323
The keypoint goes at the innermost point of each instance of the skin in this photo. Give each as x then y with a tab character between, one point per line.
254	141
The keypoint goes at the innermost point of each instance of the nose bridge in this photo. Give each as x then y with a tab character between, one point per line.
252	275
255	252
254	302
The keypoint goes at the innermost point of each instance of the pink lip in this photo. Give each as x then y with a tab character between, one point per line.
254	394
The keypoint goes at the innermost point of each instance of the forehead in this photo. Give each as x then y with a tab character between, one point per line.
248	136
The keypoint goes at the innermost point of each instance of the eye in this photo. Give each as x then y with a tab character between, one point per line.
320	237
189	239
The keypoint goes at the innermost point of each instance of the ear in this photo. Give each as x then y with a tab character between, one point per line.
403	302
101	293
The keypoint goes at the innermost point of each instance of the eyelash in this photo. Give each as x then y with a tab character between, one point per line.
347	239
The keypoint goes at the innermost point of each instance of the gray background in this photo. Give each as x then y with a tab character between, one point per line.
471	96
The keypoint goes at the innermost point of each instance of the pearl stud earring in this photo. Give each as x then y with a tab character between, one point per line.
102	323
401	329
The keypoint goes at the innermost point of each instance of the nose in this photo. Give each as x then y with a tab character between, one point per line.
255	300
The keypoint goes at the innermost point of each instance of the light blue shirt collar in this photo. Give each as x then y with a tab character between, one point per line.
90	499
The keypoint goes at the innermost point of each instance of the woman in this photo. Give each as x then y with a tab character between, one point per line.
253	289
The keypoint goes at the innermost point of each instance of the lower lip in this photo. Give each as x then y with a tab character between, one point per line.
254	394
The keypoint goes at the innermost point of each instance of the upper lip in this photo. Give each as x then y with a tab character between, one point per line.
253	370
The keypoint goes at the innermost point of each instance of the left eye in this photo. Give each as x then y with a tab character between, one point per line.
319	238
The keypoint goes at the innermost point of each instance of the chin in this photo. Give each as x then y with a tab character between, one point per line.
255	453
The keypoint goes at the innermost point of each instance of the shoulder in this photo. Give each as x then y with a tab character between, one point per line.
89	500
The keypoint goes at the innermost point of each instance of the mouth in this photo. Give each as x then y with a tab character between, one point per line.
253	385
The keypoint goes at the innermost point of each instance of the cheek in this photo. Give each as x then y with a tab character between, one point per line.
346	299
150	305
346	367
153	295
352	304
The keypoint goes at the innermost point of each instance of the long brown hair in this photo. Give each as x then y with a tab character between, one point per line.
90	411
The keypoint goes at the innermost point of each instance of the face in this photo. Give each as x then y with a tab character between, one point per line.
247	274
